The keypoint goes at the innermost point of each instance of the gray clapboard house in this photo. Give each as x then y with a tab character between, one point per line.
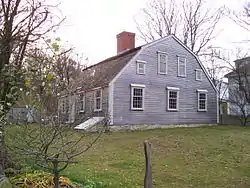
162	82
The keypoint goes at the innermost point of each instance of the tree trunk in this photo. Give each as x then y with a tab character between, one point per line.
2	150
56	174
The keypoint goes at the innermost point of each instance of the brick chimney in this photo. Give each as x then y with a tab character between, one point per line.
125	41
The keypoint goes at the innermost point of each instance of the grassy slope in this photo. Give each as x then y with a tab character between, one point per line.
182	157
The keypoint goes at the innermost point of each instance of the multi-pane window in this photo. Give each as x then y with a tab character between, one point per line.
98	100
181	66
81	102
202	100
137	97
198	74
64	105
141	67
173	97
162	63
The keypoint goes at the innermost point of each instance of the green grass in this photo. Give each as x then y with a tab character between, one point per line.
182	157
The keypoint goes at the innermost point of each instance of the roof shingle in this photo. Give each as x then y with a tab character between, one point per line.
102	73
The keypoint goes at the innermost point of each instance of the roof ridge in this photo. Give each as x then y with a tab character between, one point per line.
113	57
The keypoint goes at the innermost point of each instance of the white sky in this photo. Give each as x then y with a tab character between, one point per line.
91	25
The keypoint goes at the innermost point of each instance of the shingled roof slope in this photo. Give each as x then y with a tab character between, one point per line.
102	73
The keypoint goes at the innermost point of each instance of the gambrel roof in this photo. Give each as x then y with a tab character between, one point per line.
102	73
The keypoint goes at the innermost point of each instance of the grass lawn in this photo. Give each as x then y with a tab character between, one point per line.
182	157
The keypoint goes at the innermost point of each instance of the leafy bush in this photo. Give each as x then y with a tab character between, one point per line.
93	184
10	172
40	180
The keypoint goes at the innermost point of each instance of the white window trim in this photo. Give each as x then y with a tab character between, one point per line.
141	61
173	88
185	75
138	62
139	86
84	99
177	105
196	77
97	110
201	91
158	62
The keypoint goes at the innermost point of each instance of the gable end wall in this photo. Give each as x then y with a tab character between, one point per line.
155	103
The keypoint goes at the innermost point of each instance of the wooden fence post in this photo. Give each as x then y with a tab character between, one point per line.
148	172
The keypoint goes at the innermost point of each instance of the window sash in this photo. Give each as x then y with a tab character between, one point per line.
141	68
81	102
173	100
182	66
98	100
137	98
198	74
64	105
202	101
162	63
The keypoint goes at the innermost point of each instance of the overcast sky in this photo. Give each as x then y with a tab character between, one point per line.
91	26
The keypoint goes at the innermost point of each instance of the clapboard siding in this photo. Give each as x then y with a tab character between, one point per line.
155	103
78	117
89	105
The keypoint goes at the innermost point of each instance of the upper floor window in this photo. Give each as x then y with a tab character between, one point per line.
81	102
162	63
173	98
137	97
198	74
98	100
181	66
202	100
140	67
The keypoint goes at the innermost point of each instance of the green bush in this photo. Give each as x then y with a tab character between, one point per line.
9	172
93	184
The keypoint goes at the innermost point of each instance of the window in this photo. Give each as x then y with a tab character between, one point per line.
202	100
137	97
198	74
181	66
81	102
173	98
162	62
141	66
64	105
98	100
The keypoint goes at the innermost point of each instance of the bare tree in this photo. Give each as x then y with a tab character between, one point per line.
51	62
239	92
242	17
22	23
50	145
193	22
161	19
238	81
216	68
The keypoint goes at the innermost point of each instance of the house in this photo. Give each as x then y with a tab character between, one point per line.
238	87
21	112
162	82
